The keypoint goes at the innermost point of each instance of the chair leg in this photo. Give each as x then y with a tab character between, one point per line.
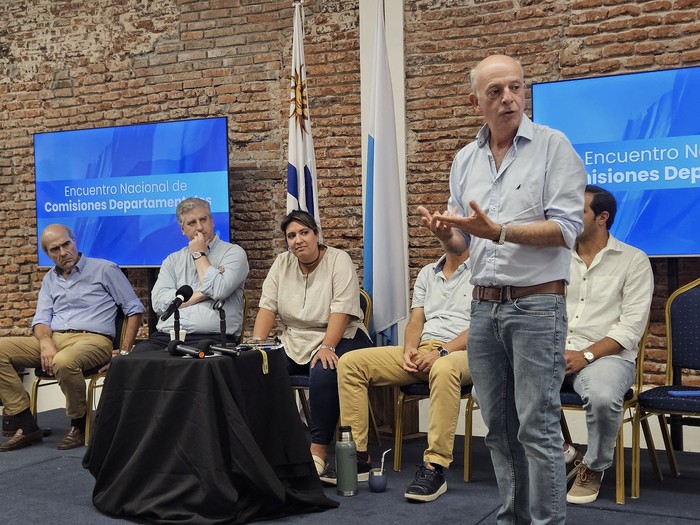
620	466
33	397
468	427
373	424
651	449
670	454
304	405
90	410
636	445
398	429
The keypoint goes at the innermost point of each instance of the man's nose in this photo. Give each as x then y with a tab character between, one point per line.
507	96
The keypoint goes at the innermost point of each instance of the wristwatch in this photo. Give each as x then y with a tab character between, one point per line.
442	352
588	356
197	255
502	236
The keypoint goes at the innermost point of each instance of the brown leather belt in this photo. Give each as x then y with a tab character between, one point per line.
84	332
506	293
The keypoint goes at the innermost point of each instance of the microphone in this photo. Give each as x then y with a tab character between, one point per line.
182	295
210	345
179	348
225	350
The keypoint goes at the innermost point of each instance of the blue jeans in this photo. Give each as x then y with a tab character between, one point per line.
323	389
602	386
516	357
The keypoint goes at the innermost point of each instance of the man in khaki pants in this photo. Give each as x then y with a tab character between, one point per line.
434	351
72	330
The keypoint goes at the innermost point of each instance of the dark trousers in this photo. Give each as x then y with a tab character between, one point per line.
323	389
160	340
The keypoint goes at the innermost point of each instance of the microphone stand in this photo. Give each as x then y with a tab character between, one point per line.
222	322
176	322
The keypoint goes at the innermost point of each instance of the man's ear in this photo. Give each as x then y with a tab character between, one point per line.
603	217
474	100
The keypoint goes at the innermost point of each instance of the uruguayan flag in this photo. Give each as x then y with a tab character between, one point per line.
301	169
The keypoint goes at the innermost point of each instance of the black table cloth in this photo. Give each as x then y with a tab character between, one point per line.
201	441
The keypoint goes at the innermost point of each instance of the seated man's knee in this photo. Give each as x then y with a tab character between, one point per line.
444	371
603	400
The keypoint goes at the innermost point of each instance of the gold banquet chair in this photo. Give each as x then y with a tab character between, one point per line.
300	383
92	375
570	400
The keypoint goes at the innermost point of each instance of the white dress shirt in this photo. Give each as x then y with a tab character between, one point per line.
611	298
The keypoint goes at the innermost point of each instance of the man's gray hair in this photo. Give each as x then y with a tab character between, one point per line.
188	204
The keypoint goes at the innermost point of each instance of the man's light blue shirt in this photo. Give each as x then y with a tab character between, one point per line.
87	299
443	300
223	280
541	178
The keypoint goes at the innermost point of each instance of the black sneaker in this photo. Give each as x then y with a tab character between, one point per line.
428	485
329	476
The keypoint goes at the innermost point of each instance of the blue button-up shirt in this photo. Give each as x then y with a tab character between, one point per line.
223	280
87	299
541	178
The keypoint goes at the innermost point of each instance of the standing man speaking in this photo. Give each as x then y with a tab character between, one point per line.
517	193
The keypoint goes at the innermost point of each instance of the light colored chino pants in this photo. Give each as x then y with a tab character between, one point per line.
383	366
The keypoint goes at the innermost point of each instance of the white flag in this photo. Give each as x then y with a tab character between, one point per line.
384	259
301	168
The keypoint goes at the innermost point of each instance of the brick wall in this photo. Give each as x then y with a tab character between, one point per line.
68	65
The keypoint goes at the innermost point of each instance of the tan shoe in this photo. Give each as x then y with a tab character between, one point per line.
572	466
21	440
74	438
586	487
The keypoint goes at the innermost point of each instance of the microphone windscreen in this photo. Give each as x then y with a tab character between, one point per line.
205	345
172	347
185	291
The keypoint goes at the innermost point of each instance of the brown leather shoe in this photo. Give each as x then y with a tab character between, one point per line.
74	438
21	440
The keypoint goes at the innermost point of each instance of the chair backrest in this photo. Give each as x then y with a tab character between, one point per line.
244	319
366	305
639	374
683	329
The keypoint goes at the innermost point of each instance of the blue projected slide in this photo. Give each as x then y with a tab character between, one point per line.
639	137
118	187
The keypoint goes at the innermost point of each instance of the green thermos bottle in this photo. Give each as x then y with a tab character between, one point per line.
346	462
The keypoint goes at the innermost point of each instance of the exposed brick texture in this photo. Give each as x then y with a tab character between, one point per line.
66	64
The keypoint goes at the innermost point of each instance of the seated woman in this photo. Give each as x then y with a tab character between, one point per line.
314	290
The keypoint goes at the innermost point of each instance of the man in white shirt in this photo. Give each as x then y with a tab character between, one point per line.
607	303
